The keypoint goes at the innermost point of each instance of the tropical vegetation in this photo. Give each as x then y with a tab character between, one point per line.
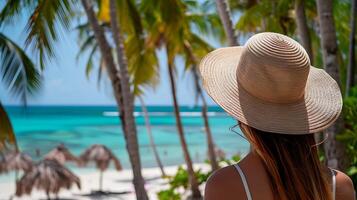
123	39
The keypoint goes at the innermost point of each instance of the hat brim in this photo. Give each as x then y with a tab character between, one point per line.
320	107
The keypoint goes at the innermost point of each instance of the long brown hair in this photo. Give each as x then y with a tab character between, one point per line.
292	164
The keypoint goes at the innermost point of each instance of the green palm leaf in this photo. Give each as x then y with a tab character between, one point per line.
46	22
7	135
20	76
44	26
17	70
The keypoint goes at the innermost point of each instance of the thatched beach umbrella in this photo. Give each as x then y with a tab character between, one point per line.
17	161
102	156
62	155
220	153
47	175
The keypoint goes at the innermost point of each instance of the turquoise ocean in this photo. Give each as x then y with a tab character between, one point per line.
41	128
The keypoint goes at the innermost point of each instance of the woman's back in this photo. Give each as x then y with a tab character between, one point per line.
227	184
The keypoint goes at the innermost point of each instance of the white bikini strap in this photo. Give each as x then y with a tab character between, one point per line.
244	180
333	184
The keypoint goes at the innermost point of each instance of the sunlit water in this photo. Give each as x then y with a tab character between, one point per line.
40	129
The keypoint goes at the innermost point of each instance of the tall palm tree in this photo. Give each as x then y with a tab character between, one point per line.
21	77
151	138
226	19
122	94
165	26
194	61
193	180
128	101
142	65
302	28
334	150
351	58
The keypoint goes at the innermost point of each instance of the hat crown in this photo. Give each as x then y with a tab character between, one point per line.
274	68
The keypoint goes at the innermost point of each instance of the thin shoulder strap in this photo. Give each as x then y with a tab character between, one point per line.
333	184
244	180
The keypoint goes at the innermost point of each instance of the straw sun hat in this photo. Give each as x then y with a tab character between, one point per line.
270	85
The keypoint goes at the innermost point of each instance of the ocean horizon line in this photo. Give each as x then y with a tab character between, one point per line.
99	105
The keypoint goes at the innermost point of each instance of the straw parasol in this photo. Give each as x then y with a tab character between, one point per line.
102	156
47	175
61	154
17	161
220	153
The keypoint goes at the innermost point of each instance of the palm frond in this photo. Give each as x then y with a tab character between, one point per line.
47	21
17	70
12	10
7	135
142	63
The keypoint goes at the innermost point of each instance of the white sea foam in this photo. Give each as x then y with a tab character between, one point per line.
162	114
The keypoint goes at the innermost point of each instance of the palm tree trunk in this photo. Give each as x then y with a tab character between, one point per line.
303	29
225	16
196	194
151	138
334	150
113	74
128	107
351	60
210	143
304	37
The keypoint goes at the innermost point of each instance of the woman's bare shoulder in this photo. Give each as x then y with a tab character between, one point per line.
224	183
344	187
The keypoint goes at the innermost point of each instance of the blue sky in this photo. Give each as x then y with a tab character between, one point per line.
65	82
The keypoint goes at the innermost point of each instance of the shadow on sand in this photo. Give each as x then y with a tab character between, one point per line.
103	194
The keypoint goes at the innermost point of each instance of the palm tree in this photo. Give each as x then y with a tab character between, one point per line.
128	101
193	180
164	29
20	75
334	150
122	94
265	15
303	29
142	66
151	138
226	19
194	61
18	71
45	22
351	58
7	135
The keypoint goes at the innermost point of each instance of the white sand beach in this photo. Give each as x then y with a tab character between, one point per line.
113	181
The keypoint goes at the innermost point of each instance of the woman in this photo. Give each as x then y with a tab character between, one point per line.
279	100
